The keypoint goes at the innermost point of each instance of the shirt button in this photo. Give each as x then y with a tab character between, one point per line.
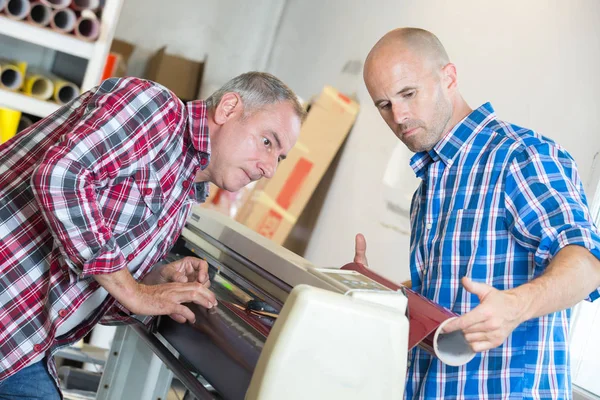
37	348
203	161
62	313
428	226
161	223
130	257
424	272
148	192
186	184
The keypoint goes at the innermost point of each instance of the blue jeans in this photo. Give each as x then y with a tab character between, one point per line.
31	383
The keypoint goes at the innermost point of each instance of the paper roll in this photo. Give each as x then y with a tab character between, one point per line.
40	13
9	122
64	91
63	20
11	74
426	320
57	4
24	123
87	26
39	86
80	5
17	9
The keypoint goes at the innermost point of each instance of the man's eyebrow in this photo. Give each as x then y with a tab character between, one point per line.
276	136
402	91
407	89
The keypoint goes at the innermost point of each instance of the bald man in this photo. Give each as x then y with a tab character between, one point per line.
501	231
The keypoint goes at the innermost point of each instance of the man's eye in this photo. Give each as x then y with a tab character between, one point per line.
408	95
266	142
384	106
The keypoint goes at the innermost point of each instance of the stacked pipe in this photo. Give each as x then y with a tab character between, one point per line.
80	18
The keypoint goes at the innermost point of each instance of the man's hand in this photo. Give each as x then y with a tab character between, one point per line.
160	298
489	324
188	269
167	299
360	250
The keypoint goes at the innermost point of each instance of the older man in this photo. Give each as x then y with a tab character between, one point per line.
94	195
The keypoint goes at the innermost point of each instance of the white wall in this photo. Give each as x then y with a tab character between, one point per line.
536	61
234	34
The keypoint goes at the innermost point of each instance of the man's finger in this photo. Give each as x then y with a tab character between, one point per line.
180	277
360	250
478	327
481	290
178	318
479	347
200	295
203	272
185	312
465	321
476	337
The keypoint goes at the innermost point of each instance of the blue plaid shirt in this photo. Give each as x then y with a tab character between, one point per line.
496	203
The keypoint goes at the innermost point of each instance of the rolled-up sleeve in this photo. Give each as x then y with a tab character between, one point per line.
119	130
546	208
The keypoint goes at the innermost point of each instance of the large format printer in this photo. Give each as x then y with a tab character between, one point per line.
283	329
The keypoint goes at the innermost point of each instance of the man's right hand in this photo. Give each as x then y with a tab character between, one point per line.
360	250
161	299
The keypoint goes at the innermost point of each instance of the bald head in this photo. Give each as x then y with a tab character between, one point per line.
420	43
413	84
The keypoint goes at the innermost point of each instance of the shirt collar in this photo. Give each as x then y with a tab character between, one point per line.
451	143
198	125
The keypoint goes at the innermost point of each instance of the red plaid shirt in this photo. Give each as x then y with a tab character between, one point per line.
82	192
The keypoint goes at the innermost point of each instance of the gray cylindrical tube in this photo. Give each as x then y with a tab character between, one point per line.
17	9
57	4
85	4
452	348
63	20
88	26
40	13
10	76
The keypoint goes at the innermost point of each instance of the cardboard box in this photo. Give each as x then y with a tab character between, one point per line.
275	206
179	74
118	59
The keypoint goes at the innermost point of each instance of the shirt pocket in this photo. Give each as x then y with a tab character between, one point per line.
148	185
457	242
131	203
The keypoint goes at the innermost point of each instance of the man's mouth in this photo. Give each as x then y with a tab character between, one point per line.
408	132
252	179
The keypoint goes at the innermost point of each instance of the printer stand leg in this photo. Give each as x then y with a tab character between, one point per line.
133	371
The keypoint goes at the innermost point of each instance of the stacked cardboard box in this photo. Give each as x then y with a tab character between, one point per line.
273	207
181	75
118	58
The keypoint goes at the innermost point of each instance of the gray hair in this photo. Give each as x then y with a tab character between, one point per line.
257	90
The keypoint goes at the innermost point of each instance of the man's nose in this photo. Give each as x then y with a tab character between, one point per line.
401	112
268	168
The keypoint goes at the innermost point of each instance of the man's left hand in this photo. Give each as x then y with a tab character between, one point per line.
187	269
489	324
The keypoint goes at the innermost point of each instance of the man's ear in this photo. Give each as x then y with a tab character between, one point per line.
229	106
449	76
